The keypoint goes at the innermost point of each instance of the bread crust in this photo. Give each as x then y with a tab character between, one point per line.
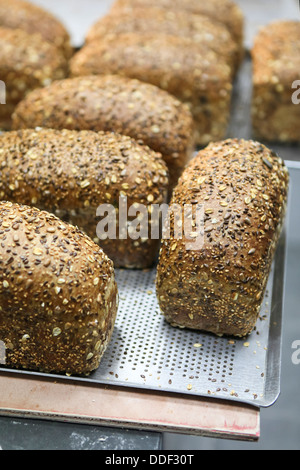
225	11
26	62
58	295
199	28
219	288
19	14
118	104
72	173
193	73
276	63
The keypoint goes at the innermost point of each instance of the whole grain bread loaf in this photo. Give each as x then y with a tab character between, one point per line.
218	284
58	295
276	62
117	104
200	28
26	62
225	11
85	177
20	14
191	72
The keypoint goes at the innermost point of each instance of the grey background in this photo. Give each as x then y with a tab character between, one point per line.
26	434
280	424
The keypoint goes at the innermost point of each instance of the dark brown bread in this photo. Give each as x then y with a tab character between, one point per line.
19	14
226	12
27	62
58	295
276	63
72	173
201	29
219	286
193	73
118	104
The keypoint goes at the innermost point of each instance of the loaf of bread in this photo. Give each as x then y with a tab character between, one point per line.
218	284
202	29
26	63
58	295
74	173
276	62
191	72
117	104
226	12
19	14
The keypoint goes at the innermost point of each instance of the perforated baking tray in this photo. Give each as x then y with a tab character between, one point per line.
146	352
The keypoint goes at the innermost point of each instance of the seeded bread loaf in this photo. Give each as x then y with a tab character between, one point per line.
73	173
276	62
191	72
202	29
26	63
19	14
225	11
219	286
118	104
58	295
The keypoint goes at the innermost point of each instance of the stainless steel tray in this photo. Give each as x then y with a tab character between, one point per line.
146	352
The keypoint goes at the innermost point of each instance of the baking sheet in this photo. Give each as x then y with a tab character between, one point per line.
146	352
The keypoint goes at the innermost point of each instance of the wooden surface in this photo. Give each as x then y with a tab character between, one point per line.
107	406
